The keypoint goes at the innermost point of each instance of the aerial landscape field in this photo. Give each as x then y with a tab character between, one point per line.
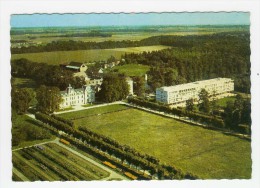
116	100
170	140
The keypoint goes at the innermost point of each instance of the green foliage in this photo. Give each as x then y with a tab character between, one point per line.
139	86
204	104
238	112
114	87
44	74
49	99
189	105
21	99
207	56
24	129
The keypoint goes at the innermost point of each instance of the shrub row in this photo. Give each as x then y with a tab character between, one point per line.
54	122
66	121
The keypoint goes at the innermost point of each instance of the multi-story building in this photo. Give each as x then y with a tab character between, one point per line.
73	97
130	83
180	93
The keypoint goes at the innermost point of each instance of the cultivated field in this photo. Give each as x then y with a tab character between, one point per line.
133	69
206	153
83	55
51	162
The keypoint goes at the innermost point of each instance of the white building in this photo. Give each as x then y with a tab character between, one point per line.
73	97
181	93
130	82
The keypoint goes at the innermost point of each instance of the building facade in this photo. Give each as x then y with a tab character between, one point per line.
181	93
130	83
73	97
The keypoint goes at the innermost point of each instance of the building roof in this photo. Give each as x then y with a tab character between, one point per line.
75	64
72	67
194	84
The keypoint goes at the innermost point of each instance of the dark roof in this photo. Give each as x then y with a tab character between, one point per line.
76	64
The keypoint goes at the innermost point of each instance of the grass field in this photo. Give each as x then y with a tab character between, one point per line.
93	111
54	163
223	102
83	55
133	69
207	153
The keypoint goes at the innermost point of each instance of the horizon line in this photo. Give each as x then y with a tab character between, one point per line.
131	25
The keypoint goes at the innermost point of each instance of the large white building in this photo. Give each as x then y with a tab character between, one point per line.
130	83
180	93
73	97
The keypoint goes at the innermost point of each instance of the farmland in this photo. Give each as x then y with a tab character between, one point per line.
83	55
206	153
51	162
46	35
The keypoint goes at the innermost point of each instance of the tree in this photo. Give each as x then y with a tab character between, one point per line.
48	98
189	105
239	102
113	88
111	59
246	112
204	104
139	86
213	103
21	99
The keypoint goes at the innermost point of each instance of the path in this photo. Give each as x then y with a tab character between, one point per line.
20	175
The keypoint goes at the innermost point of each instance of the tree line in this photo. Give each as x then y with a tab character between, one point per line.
45	74
189	41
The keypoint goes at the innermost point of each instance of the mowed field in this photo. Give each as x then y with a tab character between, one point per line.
52	162
85	56
206	153
132	69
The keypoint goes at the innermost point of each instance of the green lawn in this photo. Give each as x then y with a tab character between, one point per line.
93	111
86	56
223	102
133	69
207	153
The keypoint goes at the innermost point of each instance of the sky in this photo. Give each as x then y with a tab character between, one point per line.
131	19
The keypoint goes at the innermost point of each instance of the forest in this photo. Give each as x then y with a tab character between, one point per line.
188	41
195	58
